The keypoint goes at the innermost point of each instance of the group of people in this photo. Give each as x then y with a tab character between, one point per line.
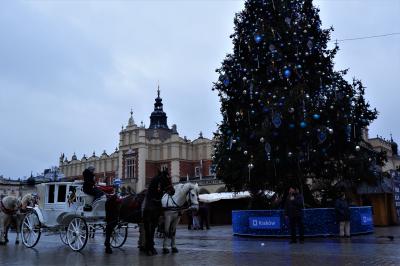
294	206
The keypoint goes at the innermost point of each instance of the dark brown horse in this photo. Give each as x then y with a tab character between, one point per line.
144	207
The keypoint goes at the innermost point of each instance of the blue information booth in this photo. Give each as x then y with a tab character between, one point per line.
317	222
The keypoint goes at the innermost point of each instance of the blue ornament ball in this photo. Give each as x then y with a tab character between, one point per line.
316	116
226	82
287	73
291	126
257	38
303	124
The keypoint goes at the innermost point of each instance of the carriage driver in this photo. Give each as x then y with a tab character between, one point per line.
89	184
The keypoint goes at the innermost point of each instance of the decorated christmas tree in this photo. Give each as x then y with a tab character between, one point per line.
289	118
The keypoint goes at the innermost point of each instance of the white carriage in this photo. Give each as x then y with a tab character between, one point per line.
62	209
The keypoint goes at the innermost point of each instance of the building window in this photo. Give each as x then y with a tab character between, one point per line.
164	166
212	170
130	168
197	172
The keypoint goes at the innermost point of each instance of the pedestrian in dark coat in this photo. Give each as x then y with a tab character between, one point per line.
204	219
189	216
342	208
294	213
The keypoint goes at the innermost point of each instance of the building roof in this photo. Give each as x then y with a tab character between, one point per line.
212	197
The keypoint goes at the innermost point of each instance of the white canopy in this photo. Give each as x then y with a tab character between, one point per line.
212	197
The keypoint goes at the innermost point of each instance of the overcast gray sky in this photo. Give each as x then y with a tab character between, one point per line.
70	71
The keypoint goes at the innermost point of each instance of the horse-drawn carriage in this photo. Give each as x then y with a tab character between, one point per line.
63	208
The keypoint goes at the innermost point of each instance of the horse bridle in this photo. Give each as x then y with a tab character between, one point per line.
169	188
185	206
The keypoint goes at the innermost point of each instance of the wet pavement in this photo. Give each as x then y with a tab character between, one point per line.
215	247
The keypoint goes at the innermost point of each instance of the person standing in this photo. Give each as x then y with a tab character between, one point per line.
189	216
196	220
204	219
294	213
342	208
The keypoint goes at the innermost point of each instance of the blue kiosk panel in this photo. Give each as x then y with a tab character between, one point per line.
317	222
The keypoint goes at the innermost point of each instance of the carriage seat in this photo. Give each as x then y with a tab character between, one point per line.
88	200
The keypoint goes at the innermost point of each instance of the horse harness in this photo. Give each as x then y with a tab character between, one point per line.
7	211
178	208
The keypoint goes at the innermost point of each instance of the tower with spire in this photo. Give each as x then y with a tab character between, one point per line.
131	122
158	118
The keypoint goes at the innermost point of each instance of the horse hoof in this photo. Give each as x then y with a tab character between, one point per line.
141	249
109	250
165	251
17	242
174	250
2	243
154	251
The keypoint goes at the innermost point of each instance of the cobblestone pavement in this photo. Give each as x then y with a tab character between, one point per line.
216	247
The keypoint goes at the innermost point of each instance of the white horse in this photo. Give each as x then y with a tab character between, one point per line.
13	210
185	197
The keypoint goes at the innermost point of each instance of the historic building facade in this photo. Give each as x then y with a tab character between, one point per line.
9	187
19	188
143	151
390	147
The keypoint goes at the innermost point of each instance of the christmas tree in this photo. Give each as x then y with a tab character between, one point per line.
289	118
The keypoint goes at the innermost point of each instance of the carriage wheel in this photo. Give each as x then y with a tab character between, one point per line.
30	229
119	235
63	235
77	234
